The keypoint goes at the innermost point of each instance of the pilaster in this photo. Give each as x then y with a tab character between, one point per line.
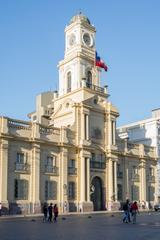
143	180
126	192
63	179
35	179
109	192
4	172
84	202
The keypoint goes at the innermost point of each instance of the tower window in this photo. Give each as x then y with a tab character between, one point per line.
89	79
69	79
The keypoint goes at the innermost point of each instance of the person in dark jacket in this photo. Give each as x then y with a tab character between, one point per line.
50	210
126	210
45	211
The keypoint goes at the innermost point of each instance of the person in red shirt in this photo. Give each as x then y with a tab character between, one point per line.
55	210
134	210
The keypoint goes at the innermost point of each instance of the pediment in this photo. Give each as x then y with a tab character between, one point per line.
66	107
95	102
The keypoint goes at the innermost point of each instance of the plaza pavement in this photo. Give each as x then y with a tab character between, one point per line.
99	226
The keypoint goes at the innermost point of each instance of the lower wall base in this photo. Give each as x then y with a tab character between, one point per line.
85	207
113	206
24	208
35	208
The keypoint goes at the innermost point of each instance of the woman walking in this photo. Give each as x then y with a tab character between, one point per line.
55	210
134	210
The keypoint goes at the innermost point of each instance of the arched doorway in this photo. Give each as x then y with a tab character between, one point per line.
97	194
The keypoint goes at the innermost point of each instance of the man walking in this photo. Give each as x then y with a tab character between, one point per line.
126	210
50	210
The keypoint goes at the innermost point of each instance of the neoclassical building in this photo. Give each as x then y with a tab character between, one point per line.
146	131
69	152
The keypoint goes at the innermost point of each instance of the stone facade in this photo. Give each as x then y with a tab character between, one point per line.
69	153
147	132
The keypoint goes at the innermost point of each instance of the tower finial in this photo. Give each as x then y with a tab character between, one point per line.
80	12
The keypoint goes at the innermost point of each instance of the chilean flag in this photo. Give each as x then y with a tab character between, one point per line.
100	63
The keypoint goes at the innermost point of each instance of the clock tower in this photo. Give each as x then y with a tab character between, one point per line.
79	58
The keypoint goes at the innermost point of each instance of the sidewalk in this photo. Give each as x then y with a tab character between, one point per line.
21	216
60	214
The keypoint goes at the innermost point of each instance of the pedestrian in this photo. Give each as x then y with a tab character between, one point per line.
126	210
50	210
65	207
129	211
0	208
45	211
55	210
134	209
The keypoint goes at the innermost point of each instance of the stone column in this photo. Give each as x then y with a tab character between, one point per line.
126	192
84	202
88	179
115	180
82	127
35	182
109	187
142	180
63	180
4	173
82	180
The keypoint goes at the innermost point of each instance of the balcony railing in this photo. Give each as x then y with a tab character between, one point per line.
119	174
72	171
51	170
99	165
22	167
94	87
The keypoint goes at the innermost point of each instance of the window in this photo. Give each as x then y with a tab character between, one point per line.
151	171
71	163
89	78
134	193
20	158
71	190
119	171
134	171
21	189
118	167
69	80
51	190
150	195
51	161
119	192
93	159
71	167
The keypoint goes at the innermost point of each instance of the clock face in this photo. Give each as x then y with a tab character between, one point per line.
87	39
72	40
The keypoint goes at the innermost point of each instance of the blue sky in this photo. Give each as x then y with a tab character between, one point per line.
32	43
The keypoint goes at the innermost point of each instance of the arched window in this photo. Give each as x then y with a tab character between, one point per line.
69	79
89	78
